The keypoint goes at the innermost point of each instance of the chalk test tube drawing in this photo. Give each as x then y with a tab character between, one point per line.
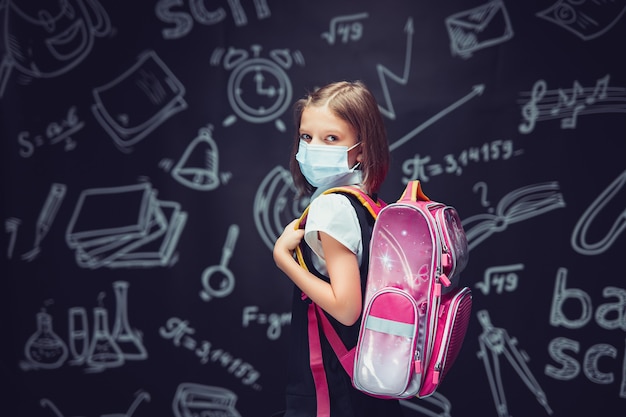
198	167
495	342
275	206
477	28
193	399
11	227
218	281
259	89
135	103
46	218
345	28
436	405
140	397
48	39
144	231
477	90
384	73
586	19
541	104
518	205
610	202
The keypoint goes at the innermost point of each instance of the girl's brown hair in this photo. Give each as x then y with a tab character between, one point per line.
354	103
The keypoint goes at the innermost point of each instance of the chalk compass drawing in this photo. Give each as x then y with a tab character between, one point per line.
139	100
140	397
259	89
46	42
541	104
586	19
218	280
144	232
495	343
477	28
275	205
204	400
611	200
518	205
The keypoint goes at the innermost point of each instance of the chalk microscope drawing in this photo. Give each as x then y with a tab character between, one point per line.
259	89
46	43
138	101
144	233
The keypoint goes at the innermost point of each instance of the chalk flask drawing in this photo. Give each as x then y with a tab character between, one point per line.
45	349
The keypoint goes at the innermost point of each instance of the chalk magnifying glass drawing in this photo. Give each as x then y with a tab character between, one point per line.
218	280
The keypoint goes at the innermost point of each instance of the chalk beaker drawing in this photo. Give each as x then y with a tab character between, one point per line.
78	335
45	349
198	167
103	351
128	339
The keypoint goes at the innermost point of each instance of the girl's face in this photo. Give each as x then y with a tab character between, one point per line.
320	126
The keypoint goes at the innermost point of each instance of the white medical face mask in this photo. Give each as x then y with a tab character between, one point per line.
324	165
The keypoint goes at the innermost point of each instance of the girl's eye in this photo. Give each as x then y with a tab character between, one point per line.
332	138
305	137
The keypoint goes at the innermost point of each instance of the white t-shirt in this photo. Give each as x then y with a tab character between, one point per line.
334	215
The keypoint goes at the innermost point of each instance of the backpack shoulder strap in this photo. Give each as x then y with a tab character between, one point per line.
413	192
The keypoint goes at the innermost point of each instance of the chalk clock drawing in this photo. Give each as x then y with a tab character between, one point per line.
259	89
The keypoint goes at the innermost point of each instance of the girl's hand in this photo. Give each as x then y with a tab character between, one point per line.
288	240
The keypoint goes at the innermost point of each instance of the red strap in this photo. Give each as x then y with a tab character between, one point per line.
317	364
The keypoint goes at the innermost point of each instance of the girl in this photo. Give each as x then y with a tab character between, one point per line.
340	140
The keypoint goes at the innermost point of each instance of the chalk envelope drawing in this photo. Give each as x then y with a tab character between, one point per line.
143	232
138	101
478	28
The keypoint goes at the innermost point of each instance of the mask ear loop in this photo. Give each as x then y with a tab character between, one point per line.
358	164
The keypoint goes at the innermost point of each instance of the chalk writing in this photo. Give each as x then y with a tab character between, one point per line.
181	333
347	28
421	167
55	132
183	22
274	321
501	278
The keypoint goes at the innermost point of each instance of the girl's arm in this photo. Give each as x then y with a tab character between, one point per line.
342	297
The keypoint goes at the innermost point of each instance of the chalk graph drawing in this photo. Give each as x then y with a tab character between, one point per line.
123	227
48	39
259	89
140	397
97	350
610	202
518	205
193	399
275	205
135	103
541	104
496	344
477	28
587	19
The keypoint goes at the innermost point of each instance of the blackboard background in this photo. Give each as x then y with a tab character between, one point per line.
403	51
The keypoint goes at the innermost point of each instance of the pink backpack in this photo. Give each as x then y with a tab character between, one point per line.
415	314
